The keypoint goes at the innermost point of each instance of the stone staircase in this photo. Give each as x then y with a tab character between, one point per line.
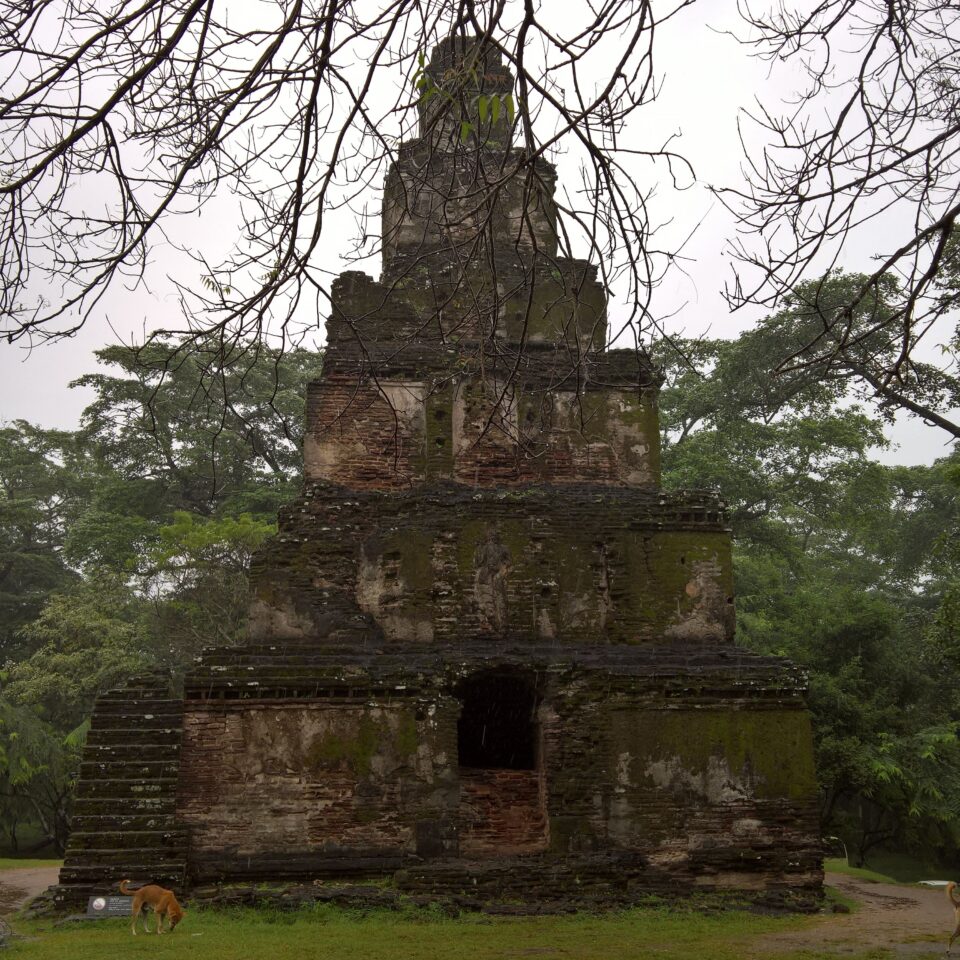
124	814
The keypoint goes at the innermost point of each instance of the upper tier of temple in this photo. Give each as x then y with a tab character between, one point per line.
460	191
479	354
477	463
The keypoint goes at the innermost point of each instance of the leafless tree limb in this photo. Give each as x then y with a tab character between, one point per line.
866	155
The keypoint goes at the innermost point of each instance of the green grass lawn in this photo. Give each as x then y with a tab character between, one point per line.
840	865
890	868
327	932
14	863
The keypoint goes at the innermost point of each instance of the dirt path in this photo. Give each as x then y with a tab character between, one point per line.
20	885
910	921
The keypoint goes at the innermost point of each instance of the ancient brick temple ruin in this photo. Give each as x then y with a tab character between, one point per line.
487	655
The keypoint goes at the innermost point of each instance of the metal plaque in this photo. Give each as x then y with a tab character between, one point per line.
109	906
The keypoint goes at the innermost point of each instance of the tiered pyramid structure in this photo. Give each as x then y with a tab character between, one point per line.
488	657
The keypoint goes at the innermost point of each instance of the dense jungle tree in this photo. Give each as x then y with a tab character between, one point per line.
125	545
843	564
39	495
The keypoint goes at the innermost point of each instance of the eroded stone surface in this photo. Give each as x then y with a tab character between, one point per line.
487	658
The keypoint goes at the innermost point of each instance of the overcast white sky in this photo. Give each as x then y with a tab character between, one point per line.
707	78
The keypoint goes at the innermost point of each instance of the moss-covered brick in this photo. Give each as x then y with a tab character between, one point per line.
717	755
487	656
439	433
353	748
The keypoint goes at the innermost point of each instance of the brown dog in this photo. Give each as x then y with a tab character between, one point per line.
956	913
163	901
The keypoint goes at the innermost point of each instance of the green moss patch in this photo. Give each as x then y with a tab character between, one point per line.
768	753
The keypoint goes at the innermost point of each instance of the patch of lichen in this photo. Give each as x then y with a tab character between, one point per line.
640	415
354	741
416	548
515	536
527	315
510	533
354	750
529	562
662	564
572	835
589	416
466	301
576	591
768	751
369	810
472	533
407	738
622	419
557	310
560	576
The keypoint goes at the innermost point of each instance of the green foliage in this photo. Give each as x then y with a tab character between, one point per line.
195	571
36	773
39	496
125	546
85	641
843	564
26	746
199	431
840	336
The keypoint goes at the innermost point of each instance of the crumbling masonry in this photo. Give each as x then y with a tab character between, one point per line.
487	656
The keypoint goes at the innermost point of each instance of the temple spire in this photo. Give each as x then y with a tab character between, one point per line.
466	96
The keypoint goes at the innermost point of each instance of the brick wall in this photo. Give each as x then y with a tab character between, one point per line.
502	813
307	778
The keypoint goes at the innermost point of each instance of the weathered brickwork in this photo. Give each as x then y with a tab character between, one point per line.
487	658
502	812
396	434
608	565
313	778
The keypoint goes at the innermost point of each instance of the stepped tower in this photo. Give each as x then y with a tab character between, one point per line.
487	655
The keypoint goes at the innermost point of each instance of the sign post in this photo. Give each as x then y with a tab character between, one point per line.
109	906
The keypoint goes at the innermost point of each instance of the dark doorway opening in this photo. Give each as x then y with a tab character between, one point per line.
497	726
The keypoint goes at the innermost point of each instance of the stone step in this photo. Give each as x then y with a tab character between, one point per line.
109	707
126	839
137	721
147	856
120	770
119	821
144	696
128	694
124	790
130	752
211	868
132	737
106	876
94	806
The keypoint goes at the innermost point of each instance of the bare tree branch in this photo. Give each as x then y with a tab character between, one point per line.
868	155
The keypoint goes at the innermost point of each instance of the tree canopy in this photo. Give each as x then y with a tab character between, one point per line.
864	157
124	545
843	564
